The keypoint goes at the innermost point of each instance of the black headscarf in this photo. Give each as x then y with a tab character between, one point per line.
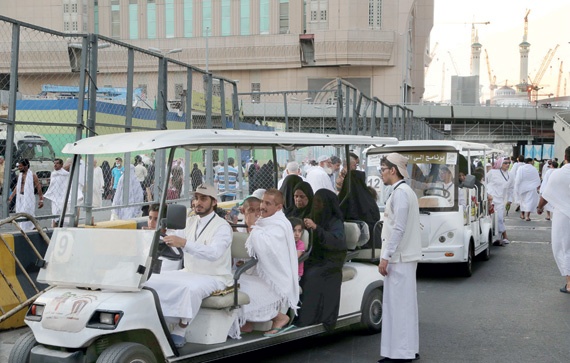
302	212
359	204
286	189
325	208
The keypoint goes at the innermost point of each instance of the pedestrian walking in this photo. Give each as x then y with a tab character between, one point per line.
557	194
401	251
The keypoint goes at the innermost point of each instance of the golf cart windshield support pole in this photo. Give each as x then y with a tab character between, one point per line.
74	167
348	177
275	167
155	266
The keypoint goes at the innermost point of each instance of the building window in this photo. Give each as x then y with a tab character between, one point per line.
375	14
226	18
151	19
115	19
74	26
283	16
66	8
244	13
207	17
318	14
65	26
255	87
74	8
188	20
169	18
264	16
96	17
133	19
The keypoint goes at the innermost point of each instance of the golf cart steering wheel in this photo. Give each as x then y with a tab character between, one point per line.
435	191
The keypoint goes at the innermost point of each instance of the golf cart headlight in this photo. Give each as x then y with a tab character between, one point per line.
35	312
105	319
450	235
441	239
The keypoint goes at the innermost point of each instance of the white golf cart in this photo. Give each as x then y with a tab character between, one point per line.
456	222
99	310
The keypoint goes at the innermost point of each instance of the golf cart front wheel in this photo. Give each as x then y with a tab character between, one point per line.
127	353
371	319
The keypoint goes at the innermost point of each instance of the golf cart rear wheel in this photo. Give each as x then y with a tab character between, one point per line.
127	353
20	353
371	319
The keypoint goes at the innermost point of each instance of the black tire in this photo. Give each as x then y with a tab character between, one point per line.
20	352
466	268
127	353
486	255
371	319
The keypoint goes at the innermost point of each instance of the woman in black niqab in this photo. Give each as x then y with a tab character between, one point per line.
322	278
302	188
287	189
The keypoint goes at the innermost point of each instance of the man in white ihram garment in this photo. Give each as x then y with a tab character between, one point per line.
401	251
206	243
527	182
500	187
557	193
274	285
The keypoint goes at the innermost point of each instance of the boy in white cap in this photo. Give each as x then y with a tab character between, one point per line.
206	242
401	251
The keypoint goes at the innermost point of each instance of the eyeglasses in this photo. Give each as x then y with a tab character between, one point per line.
383	169
506	162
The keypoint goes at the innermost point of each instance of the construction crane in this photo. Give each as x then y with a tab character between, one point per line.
431	56
560	71
492	79
453	62
535	84
474	31
525	36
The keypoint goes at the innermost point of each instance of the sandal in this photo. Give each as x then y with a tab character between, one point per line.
528	219
278	331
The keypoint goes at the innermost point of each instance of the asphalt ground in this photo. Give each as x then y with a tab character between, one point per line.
510	310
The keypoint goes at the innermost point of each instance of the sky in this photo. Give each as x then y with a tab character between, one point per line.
547	27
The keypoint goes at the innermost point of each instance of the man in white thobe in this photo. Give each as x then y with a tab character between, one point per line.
513	171
24	193
401	251
527	182
59	178
500	187
206	242
319	176
557	193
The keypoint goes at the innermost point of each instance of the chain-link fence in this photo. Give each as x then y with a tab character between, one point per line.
56	88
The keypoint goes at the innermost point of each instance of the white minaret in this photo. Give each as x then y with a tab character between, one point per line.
475	53
524	49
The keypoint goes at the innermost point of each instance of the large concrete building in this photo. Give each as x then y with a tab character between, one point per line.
380	46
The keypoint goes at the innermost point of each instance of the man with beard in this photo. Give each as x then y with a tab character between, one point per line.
274	284
206	242
319	177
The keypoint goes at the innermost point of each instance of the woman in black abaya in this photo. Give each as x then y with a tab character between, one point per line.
287	189
322	278
303	197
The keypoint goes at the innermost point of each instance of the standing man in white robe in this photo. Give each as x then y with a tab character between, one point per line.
500	187
59	179
517	164
557	193
274	285
401	251
98	185
527	182
24	192
206	242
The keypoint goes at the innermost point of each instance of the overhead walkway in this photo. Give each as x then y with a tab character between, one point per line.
491	124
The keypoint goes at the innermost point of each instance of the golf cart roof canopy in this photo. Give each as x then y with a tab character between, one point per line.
197	138
462	146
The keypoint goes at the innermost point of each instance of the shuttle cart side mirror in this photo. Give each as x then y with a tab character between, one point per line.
175	217
469	182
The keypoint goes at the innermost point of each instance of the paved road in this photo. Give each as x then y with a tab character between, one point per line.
510	310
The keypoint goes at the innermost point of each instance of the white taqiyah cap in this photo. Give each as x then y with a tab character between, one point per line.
207	189
323	158
401	163
258	193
